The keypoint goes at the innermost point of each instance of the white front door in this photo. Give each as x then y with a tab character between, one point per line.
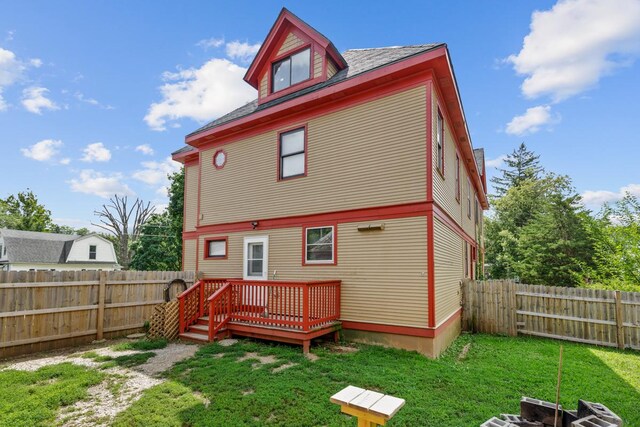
256	258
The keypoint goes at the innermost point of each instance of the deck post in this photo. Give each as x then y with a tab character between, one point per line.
201	297
305	307
306	344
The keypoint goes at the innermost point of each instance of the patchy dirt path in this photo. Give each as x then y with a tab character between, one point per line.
121	387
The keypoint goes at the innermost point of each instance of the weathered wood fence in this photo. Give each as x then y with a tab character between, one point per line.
609	318
42	310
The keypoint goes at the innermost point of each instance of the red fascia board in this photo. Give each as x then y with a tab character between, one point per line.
324	95
283	23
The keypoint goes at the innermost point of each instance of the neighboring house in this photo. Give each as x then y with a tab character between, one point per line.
30	250
355	166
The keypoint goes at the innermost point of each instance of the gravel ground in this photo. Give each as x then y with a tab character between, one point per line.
121	388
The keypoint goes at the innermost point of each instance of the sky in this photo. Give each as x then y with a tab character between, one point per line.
94	96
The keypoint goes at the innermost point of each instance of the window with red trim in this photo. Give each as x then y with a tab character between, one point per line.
440	143
291	70
292	152
468	197
319	245
457	178
216	248
466	259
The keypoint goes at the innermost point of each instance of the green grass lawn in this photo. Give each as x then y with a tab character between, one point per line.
33	398
214	388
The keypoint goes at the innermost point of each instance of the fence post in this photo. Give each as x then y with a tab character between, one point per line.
619	320
513	308
102	291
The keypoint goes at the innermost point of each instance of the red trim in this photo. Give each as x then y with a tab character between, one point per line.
366	85
403	330
199	185
457	177
431	277
447	220
366	214
213	159
440	118
306	153
335	244
197	252
207	256
286	22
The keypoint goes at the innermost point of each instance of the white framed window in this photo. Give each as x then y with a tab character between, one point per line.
93	251
256	258
319	245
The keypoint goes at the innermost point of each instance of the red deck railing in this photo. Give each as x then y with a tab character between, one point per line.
301	306
292	305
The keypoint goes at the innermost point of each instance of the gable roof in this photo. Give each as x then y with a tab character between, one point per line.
285	21
359	61
31	246
42	248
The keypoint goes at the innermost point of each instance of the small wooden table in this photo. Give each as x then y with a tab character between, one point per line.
371	408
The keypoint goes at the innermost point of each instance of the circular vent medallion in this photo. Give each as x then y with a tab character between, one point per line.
219	159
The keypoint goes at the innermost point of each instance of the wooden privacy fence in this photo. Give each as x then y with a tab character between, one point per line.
42	310
610	318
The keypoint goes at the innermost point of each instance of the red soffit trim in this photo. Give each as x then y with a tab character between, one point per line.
283	23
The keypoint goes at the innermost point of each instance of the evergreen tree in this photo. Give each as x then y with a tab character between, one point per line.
156	248
522	165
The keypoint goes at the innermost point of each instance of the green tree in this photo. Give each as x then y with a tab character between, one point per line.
24	212
159	246
156	247
617	247
522	165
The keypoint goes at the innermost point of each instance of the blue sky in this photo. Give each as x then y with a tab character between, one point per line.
94	96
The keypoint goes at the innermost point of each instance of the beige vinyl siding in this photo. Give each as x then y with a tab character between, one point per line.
191	197
448	270
444	190
264	85
331	68
317	65
190	255
372	154
291	42
383	273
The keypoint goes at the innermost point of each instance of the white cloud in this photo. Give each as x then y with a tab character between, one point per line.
571	46
497	162
210	43
34	99
65	161
42	151
155	173
594	198
91	101
531	121
99	184
11	70
36	62
145	149
242	50
96	152
200	93
10	35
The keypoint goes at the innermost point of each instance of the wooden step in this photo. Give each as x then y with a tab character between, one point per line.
191	336
203	320
199	329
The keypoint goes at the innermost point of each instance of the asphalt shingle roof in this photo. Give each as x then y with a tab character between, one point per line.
31	246
359	61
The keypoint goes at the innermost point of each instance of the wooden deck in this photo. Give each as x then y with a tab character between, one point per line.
291	312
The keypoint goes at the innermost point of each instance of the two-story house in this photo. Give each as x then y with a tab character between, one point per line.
29	250
354	166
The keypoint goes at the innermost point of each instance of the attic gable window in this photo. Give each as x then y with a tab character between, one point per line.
291	70
93	250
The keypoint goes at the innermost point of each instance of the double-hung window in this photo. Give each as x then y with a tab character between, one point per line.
292	153
93	251
440	143
457	178
468	198
319	245
291	70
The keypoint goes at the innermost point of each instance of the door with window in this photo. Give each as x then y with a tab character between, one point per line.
256	267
